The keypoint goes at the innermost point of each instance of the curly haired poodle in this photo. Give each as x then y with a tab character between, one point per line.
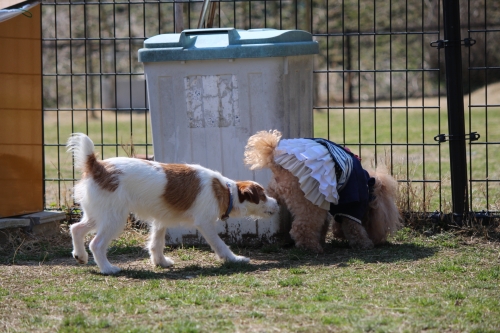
316	180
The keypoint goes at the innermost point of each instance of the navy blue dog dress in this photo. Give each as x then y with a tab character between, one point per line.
329	175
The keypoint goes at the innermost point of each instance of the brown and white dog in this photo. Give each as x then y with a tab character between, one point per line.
163	195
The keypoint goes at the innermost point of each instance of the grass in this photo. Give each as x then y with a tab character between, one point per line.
443	282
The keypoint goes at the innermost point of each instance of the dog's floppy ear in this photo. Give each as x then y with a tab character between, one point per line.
250	191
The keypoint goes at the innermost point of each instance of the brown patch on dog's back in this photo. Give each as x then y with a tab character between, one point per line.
250	191
183	186
104	174
221	193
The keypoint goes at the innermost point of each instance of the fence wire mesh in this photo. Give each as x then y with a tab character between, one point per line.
379	84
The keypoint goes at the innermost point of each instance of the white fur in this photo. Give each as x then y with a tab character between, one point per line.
140	189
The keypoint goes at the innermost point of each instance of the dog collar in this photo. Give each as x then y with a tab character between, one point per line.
230	208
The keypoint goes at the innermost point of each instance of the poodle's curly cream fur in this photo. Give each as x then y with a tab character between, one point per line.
310	222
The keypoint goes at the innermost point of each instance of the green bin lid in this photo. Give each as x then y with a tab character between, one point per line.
227	43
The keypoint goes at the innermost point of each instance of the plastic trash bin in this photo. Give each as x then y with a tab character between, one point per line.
209	90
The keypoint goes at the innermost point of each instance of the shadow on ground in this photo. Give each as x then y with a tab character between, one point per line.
263	260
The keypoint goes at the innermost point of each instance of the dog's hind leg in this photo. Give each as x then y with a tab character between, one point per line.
326	227
112	226
356	234
78	232
156	245
308	233
220	248
309	226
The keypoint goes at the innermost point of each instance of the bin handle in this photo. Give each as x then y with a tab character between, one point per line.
213	31
188	37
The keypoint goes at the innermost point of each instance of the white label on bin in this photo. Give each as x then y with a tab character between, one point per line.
212	100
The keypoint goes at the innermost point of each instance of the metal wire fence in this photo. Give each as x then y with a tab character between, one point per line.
380	85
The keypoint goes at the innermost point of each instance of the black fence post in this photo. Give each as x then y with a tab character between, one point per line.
455	102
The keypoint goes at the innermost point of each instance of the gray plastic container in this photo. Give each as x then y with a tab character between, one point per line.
209	90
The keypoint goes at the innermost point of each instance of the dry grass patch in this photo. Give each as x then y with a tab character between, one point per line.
441	282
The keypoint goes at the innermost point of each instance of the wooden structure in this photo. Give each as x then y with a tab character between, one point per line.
21	135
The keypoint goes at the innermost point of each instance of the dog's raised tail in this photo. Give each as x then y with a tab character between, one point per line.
259	151
82	148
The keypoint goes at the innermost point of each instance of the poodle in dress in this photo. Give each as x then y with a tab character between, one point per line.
316	180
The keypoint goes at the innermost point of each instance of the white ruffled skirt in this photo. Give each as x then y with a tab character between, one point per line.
313	165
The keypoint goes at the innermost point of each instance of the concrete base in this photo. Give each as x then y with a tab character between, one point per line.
46	229
44	223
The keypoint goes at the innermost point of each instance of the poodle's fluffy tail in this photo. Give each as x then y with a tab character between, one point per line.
82	148
259	151
384	217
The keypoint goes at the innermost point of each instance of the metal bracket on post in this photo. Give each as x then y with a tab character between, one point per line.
483	217
474	136
468	42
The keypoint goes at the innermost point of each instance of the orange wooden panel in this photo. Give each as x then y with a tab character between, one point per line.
21	127
21	162
21	145
22	56
21	180
18	91
17	200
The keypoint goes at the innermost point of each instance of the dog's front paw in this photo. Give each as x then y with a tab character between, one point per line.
317	248
313	247
162	261
240	259
81	258
110	270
